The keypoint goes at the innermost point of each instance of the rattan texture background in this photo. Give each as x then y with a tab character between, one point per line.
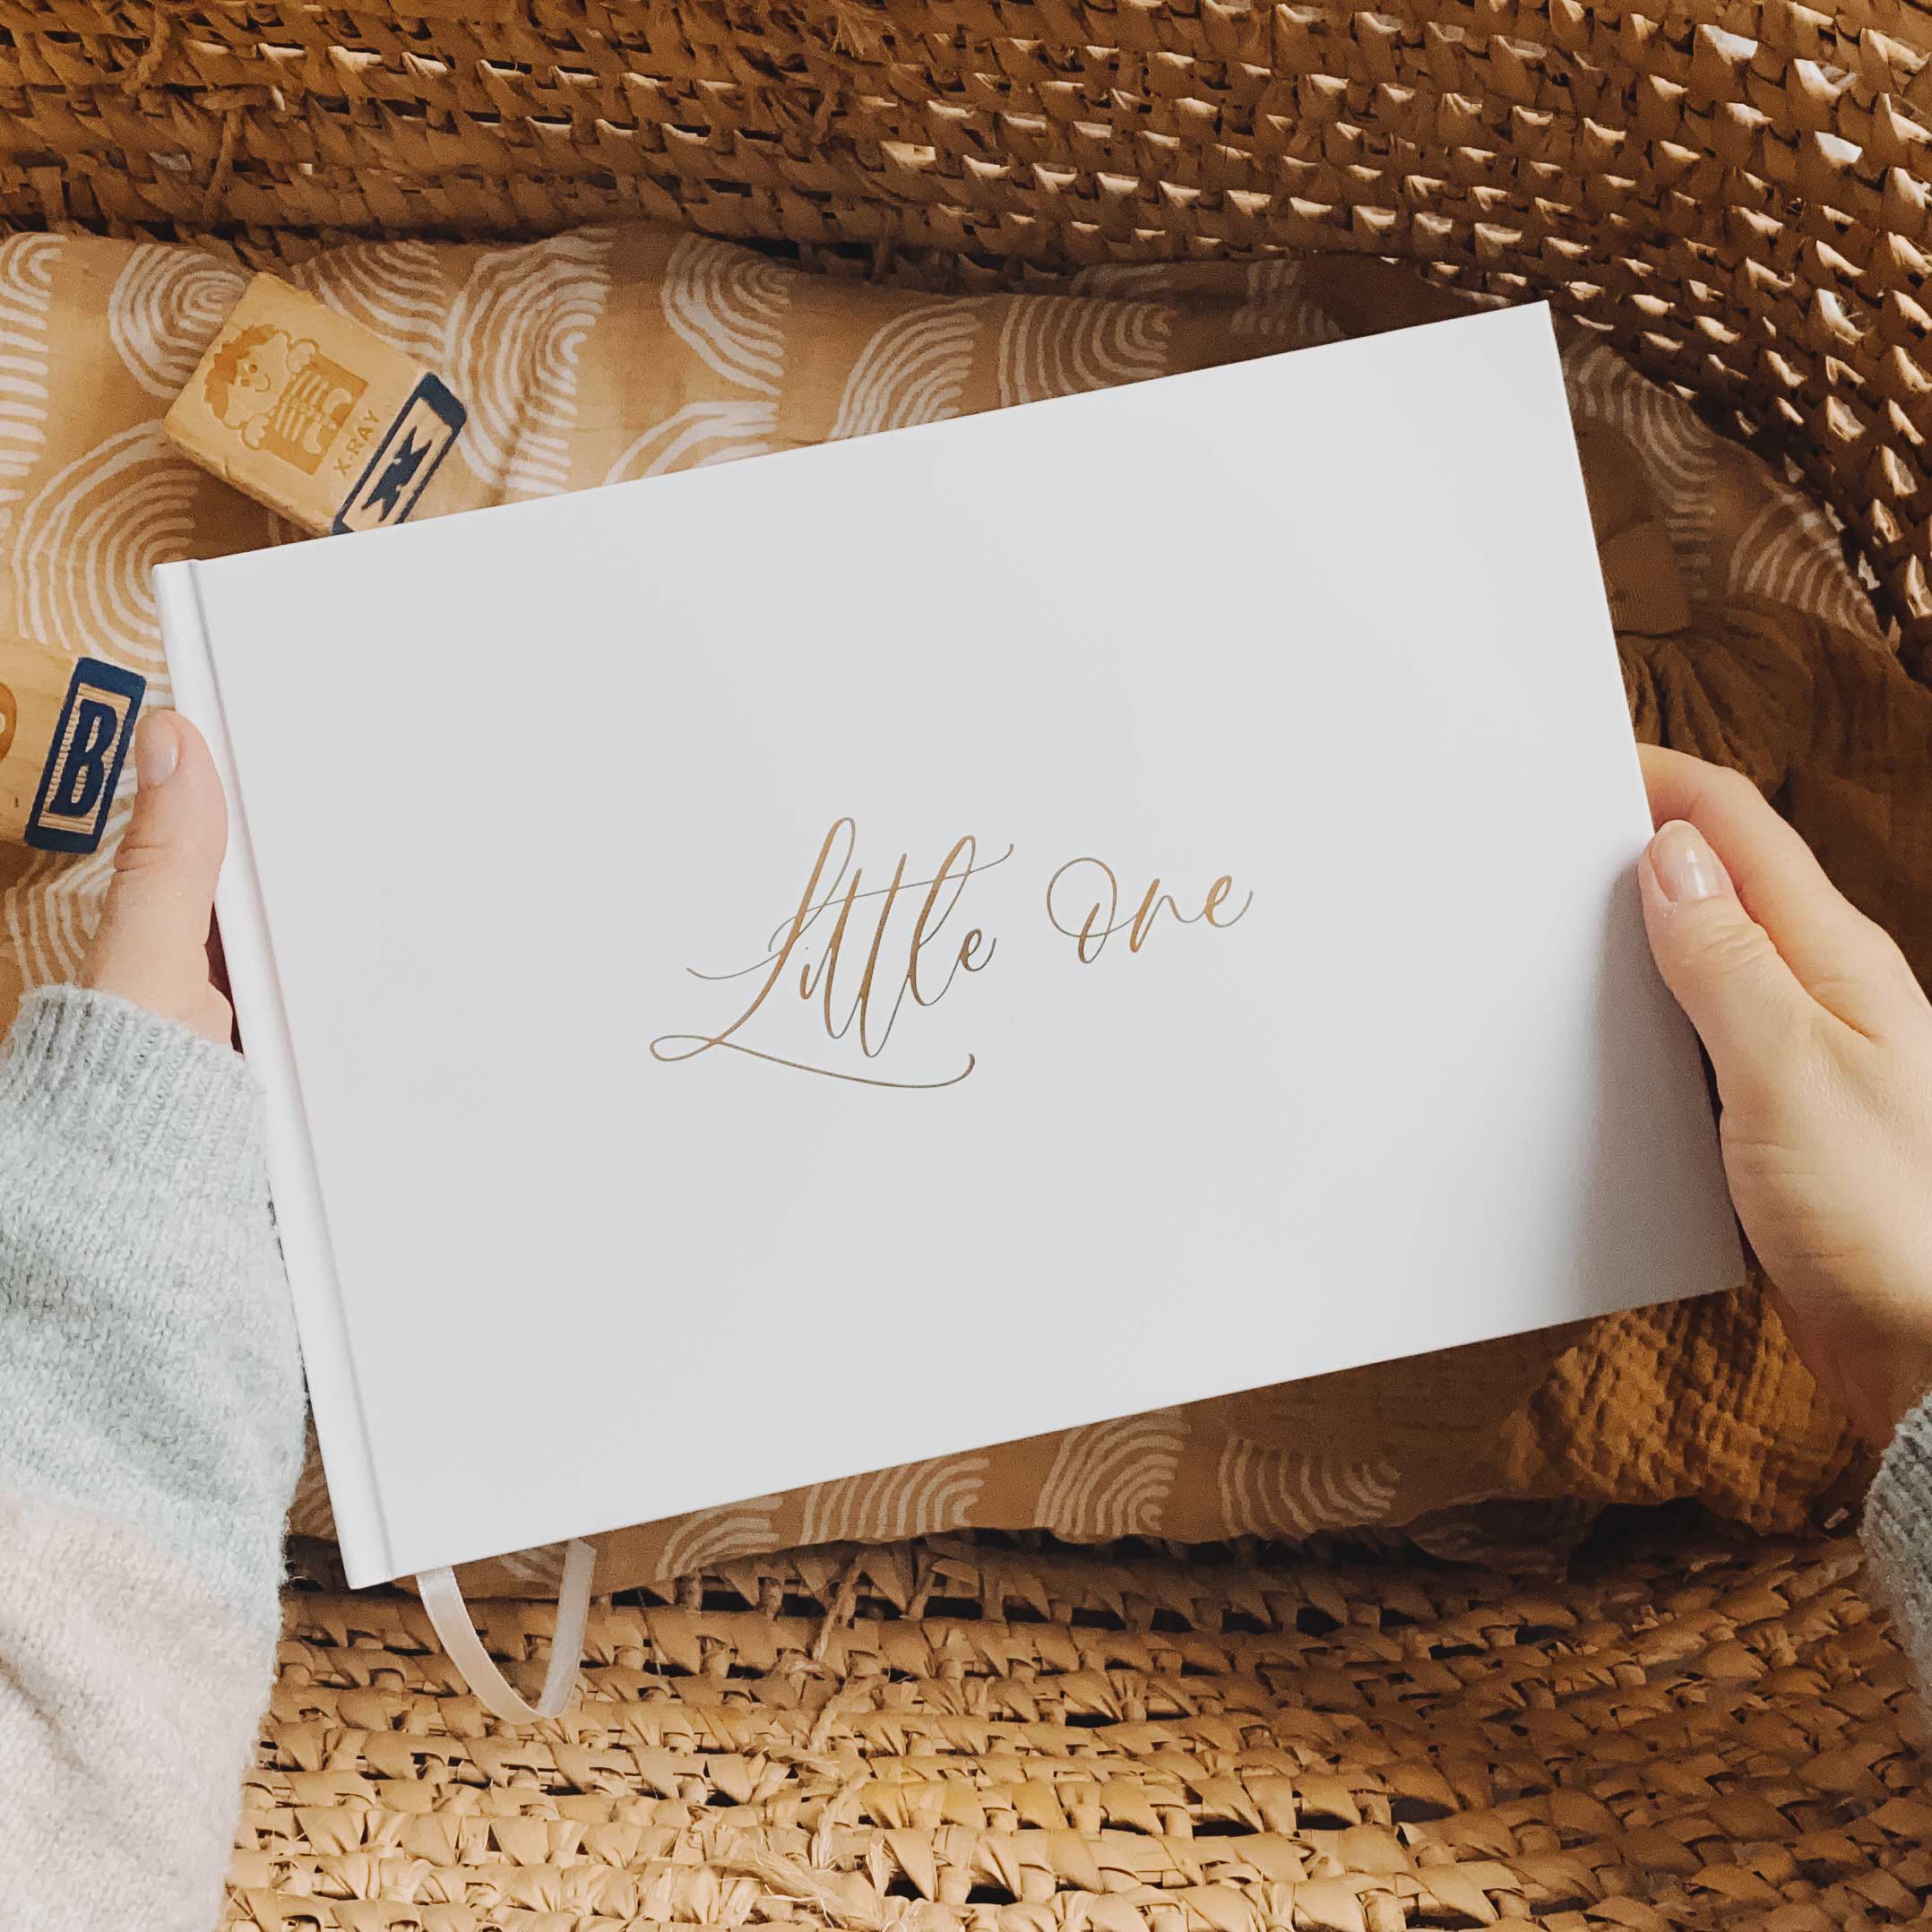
952	1735
1736	191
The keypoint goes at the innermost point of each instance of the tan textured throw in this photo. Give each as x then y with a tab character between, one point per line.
608	355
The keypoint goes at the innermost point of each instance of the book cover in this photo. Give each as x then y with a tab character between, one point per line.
861	955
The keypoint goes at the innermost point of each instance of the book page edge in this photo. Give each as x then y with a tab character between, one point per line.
301	1220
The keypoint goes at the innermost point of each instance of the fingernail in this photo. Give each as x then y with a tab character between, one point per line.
1684	865
156	749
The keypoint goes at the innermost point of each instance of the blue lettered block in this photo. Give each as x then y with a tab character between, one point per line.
83	763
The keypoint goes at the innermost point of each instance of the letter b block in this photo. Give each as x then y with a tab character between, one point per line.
64	731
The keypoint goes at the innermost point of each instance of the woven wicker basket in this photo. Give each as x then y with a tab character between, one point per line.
1015	1739
978	1736
1735	190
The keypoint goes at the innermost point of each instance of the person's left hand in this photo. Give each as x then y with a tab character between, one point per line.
153	945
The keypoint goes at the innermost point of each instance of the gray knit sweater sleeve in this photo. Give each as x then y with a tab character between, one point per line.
1898	1535
150	1427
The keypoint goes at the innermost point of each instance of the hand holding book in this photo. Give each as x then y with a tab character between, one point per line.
1822	1042
1821	1039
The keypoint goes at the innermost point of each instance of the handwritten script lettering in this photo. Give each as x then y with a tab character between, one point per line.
1091	882
833	870
812	955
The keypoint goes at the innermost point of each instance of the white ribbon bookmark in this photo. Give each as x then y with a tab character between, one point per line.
450	1616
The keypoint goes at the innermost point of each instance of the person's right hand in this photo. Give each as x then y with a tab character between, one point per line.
1822	1041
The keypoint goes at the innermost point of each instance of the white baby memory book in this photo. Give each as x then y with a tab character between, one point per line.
870	917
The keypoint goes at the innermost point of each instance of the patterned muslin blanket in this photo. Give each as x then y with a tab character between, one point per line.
612	354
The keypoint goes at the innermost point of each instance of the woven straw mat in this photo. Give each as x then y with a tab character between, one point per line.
612	354
941	1736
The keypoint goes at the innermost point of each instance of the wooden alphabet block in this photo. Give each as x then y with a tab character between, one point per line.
65	726
312	415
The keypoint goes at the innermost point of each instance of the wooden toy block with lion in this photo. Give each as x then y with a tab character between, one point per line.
314	415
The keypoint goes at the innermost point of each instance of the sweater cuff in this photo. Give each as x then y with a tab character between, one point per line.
167	1109
1897	1530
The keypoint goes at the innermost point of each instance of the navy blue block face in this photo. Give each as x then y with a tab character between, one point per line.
404	460
83	763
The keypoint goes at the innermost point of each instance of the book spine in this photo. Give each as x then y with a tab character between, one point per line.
255	989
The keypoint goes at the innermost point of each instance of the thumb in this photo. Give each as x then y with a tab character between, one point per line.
1745	1002
151	944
